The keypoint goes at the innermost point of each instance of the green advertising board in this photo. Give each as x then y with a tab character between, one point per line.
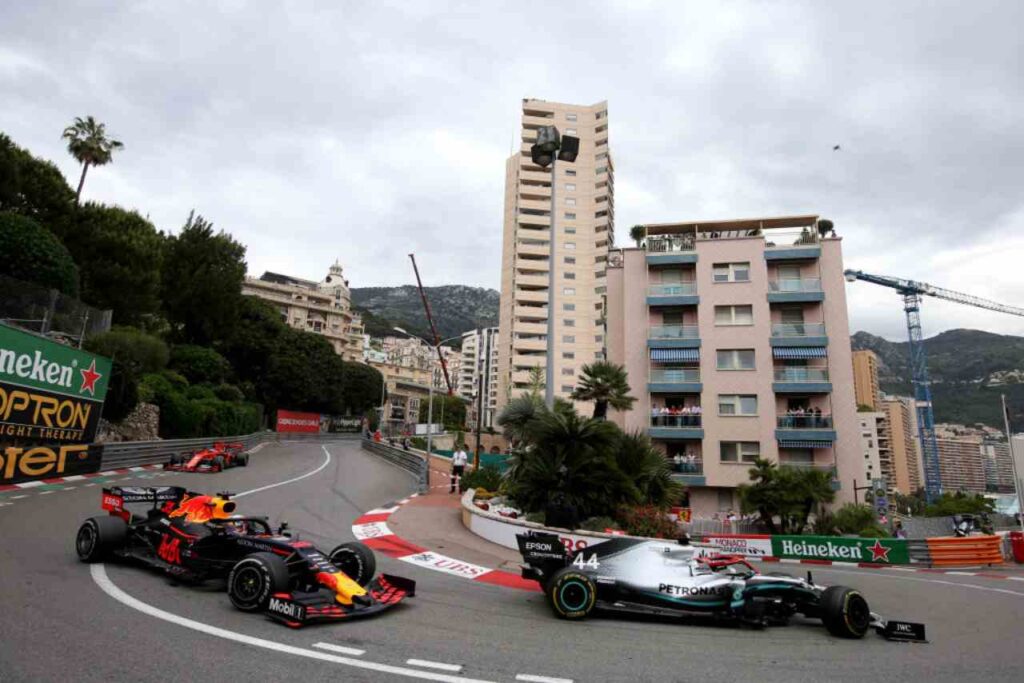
51	398
840	549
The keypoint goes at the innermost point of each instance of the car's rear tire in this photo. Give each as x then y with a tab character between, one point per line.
254	579
572	593
98	537
242	459
845	612
176	459
218	463
356	560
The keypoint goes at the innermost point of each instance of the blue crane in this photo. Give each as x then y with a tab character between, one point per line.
912	291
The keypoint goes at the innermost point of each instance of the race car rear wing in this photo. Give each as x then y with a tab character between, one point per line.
540	548
116	497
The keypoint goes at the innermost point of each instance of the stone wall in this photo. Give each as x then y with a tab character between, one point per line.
142	424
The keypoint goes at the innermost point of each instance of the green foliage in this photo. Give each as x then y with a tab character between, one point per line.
193	411
200	364
913	504
202	282
487	478
960	503
605	384
89	144
135	354
647	520
637	233
456	309
418	442
361	387
517	416
873	531
852	518
122	394
789	493
599	523
861	408
229	392
647	469
372	418
34	188
31	253
453	407
118	253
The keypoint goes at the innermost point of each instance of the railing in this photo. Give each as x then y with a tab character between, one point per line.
676	421
804	422
810	284
674	332
683	465
795	374
798	329
675	375
798	465
409	461
137	453
670	244
674	289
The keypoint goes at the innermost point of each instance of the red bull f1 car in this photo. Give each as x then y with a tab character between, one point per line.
194	537
216	458
663	578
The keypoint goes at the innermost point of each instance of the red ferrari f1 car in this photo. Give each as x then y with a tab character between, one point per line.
218	457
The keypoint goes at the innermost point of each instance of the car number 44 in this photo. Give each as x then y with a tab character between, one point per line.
589	563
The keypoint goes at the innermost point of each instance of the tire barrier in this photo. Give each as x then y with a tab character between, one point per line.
137	453
951	551
409	461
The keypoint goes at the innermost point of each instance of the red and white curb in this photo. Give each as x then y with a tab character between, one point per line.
372	529
76	477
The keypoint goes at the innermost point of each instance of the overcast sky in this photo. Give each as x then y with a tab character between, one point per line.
365	131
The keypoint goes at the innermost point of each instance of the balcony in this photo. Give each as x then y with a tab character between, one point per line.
664	250
798	334
675	427
688	471
673	336
804	431
674	381
793	290
791	245
531	280
674	294
800	380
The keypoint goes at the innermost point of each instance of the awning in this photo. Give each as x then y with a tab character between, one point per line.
788	352
692	355
794	443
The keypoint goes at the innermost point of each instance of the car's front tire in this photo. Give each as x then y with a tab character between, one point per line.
356	560
98	537
218	463
242	459
254	579
845	612
572	593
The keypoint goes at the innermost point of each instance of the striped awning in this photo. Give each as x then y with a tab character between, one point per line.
676	354
787	352
797	443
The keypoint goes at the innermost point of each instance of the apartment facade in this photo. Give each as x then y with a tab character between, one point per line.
961	466
865	379
581	223
324	307
744	320
479	363
901	424
875	450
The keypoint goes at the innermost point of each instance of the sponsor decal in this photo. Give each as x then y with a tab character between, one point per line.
25	463
170	549
286	608
289	421
748	546
371	530
445	564
670	589
876	550
34	362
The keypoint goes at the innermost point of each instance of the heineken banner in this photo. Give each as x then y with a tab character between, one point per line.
51	397
841	549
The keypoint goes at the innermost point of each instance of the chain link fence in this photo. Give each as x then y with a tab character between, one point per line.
48	312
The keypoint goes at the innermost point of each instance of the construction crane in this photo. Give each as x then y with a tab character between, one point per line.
912	291
433	328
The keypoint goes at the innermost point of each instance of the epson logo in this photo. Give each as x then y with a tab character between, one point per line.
533	545
288	609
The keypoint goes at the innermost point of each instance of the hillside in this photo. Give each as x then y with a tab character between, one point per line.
456	309
969	369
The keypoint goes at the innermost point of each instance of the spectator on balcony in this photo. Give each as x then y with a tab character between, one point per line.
691	462
684	412
678	462
816	420
695	411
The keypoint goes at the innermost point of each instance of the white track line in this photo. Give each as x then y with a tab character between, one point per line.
99	575
29	484
340	649
426	663
46	493
74	477
327	461
937	581
541	679
24	495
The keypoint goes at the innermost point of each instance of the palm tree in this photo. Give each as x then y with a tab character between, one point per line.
605	384
537	383
637	233
89	144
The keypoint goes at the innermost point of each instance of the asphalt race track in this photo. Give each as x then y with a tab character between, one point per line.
61	621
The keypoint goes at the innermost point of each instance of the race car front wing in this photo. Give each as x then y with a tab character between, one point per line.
298	608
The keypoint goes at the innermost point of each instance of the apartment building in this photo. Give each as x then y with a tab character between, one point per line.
961	467
324	307
574	208
998	465
479	362
745	321
865	379
872	445
901	425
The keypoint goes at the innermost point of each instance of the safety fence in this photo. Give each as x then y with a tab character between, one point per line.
409	461
967	550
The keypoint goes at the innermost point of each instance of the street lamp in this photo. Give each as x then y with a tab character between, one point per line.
549	147
430	387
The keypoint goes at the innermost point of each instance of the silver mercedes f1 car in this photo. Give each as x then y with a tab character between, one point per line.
665	578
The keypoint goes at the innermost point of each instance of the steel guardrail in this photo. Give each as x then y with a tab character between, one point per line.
407	460
122	454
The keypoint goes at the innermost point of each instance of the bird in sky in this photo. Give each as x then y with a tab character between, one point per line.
836	148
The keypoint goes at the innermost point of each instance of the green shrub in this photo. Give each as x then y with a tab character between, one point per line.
136	351
484	478
647	520
32	253
535	517
229	392
199	392
199	364
599	524
873	530
418	442
853	517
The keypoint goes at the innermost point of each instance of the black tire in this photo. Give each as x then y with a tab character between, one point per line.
572	593
845	612
175	459
98	537
242	459
356	560
254	579
218	463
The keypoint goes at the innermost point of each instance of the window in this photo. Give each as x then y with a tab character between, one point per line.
734	315
737	404
570	276
570	117
570	245
599	338
567	389
570	171
568	355
724	500
569	259
568	339
736	359
570	231
569	372
739	451
569	201
600	290
570	216
568	307
568	322
569	291
731	272
570	187
672	318
571	131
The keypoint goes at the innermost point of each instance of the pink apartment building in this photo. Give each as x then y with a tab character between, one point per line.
745	320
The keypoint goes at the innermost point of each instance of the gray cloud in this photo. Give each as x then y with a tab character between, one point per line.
365	131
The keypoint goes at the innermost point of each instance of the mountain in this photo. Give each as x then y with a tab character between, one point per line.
455	309
968	369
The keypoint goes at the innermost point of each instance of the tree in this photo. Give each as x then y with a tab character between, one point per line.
516	417
31	253
637	233
89	144
959	503
605	384
789	494
200	364
648	470
202	282
135	354
34	188
453	409
362	386
537	381
118	253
